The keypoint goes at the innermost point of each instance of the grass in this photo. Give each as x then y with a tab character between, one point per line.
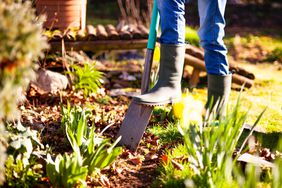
169	175
167	134
267	86
191	36
265	92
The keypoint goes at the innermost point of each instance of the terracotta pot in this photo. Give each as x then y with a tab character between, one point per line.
62	14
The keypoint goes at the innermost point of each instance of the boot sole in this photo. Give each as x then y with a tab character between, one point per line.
162	103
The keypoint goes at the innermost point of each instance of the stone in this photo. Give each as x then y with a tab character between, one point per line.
50	82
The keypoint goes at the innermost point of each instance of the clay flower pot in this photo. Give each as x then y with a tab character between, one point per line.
62	14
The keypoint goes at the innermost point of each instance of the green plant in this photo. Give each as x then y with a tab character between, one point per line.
19	174
104	100
162	114
192	36
275	55
167	134
96	152
170	175
24	149
66	170
209	148
86	77
73	117
21	44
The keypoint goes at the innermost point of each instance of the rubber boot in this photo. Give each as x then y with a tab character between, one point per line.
168	87
219	88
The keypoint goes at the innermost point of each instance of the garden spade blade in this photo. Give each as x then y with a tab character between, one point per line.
138	116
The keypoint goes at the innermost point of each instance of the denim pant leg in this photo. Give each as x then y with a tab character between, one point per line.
211	34
172	21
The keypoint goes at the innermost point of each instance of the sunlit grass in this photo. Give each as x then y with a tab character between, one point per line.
267	91
167	134
169	175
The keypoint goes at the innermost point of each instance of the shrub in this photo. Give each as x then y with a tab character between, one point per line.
22	169
21	44
192	36
275	55
86	78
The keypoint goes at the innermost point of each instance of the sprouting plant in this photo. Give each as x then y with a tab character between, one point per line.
210	147
74	116
86	78
96	152
24	150
66	170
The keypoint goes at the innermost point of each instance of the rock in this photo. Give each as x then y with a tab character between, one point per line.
255	160
50	82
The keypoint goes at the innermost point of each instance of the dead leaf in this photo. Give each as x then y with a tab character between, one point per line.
151	156
177	165
105	182
164	159
136	160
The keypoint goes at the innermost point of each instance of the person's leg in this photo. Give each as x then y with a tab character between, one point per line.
172	41
211	34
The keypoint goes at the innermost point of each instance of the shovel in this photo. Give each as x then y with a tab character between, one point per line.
137	116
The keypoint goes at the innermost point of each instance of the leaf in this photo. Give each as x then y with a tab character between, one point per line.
91	139
80	129
28	145
110	157
16	144
72	140
136	160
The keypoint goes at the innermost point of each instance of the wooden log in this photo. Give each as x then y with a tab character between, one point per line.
195	78
136	33
70	35
199	53
200	65
194	51
101	32
91	32
81	35
124	33
112	33
144	31
99	45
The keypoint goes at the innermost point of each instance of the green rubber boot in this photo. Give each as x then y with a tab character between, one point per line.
219	88
168	87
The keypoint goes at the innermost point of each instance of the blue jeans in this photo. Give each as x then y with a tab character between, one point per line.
211	31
